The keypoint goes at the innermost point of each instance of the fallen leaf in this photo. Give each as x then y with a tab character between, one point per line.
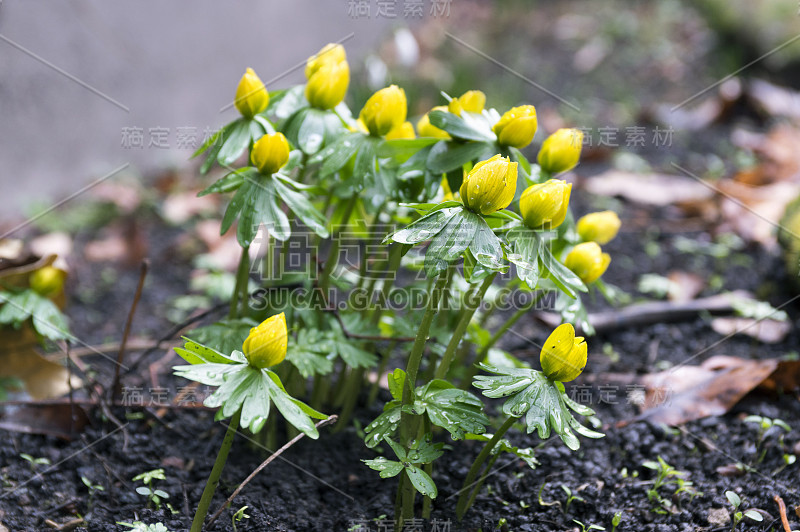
58	243
753	213
179	207
648	189
685	286
61	420
686	393
43	379
773	99
767	331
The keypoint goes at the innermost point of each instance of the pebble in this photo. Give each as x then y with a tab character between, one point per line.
718	517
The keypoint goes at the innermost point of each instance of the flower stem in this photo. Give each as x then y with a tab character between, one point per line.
472	300
333	255
242	278
467	488
216	471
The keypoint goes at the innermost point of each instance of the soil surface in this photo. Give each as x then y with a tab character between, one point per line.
324	485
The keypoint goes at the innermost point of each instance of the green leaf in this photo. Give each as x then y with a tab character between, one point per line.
455	410
526	454
336	155
285	103
562	276
364	167
456	155
306	356
384	425
425	228
306	129
458	128
403	149
231	181
301	206
422	481
397	380
288	406
354	356
525	255
47	319
755	516
387	468
733	498
218	338
486	247
235	141
256	406
544	403
450	242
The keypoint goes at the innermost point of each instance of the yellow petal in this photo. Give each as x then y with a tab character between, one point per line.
561	151
266	344
270	153
251	95
600	227
564	355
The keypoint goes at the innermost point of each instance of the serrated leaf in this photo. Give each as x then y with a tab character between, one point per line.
486	247
451	242
230	181
301	206
455	410
46	317
288	406
211	342
384	425
337	154
387	468
425	228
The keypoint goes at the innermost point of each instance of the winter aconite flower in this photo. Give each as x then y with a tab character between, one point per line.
48	281
270	153
328	76
426	129
563	355
517	126
329	54
544	206
251	95
266	344
490	185
600	227
403	131
385	110
561	150
470	101
587	261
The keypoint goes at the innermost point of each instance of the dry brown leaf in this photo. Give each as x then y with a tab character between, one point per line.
754	213
43	379
61	420
774	100
685	286
649	189
767	331
686	393
179	207
124	242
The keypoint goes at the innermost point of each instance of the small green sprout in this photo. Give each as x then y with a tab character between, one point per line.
615	521
238	516
767	427
788	459
34	462
153	495
587	528
93	488
738	515
665	475
570	498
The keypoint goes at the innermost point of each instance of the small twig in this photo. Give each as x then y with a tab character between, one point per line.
782	510
265	463
96	402
115	388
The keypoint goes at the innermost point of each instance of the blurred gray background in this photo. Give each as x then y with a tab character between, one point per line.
153	65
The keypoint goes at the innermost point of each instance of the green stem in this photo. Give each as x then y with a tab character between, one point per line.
216	471
373	393
467	488
393	263
472	300
242	278
333	255
414	359
428	468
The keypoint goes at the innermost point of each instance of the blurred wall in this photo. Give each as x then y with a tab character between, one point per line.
94	74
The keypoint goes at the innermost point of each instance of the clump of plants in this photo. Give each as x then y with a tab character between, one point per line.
375	245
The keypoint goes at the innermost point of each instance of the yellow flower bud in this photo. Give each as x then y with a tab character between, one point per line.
329	54
251	95
403	131
490	185
544	206
447	194
48	281
470	101
385	110
600	227
587	261
561	150
265	346
327	86
517	126
270	153
563	355
426	129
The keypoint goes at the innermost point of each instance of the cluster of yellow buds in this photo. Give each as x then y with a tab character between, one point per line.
490	185
517	126
251	95
600	227
384	111
270	153
266	344
563	355
328	75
